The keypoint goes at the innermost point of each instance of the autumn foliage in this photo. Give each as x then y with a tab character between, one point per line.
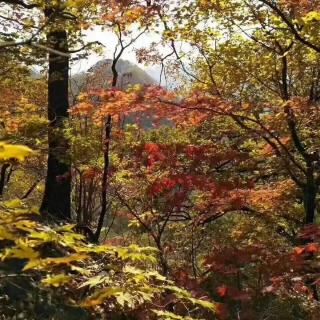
195	196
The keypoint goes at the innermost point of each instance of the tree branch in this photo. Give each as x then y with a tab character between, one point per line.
290	25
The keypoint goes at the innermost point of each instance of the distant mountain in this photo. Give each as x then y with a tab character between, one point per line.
129	73
100	76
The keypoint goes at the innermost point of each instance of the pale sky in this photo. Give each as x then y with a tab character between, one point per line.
109	40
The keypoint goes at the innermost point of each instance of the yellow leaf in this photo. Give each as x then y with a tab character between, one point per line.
312	16
25	225
67	259
95	281
56	280
9	151
21	251
6	235
44	236
43	263
125	298
33	264
70	239
82	271
99	296
11	204
66	227
169	315
203	303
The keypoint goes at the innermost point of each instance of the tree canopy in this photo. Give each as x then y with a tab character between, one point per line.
190	196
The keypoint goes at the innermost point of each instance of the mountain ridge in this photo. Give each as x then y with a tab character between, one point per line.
99	76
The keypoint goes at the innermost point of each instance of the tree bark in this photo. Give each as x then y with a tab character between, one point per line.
3	172
309	202
104	187
57	200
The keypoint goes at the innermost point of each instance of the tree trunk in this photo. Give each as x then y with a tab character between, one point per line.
162	259
104	187
56	200
3	172
309	202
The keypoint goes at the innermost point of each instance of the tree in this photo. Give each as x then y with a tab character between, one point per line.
53	21
129	21
230	71
56	199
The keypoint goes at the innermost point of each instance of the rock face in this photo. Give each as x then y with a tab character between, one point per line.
100	76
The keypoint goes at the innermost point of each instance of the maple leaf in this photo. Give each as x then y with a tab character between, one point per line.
312	247
22	251
222	311
222	290
299	250
151	148
9	151
56	280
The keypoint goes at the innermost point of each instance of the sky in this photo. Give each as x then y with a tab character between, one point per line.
109	41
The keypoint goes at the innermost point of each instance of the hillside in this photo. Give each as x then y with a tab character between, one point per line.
100	76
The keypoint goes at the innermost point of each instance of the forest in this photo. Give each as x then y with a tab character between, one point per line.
190	194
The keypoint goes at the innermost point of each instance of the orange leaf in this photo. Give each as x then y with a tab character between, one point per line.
299	250
312	248
222	290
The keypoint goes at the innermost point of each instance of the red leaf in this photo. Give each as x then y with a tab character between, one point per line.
222	311
151	148
222	290
299	250
312	248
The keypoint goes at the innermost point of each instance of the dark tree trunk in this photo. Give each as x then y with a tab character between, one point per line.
56	200
309	202
309	197
104	190
115	73
3	179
